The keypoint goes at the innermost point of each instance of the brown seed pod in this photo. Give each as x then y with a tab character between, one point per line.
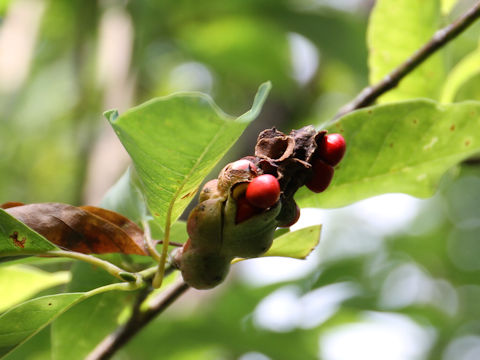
225	225
236	172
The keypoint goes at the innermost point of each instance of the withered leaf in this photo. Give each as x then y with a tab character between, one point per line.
86	229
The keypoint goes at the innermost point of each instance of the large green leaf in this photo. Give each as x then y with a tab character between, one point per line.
175	142
23	321
464	71
76	332
296	244
21	282
403	147
396	30
17	238
126	198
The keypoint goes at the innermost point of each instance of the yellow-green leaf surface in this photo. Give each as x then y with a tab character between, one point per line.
75	333
399	148
465	70
16	238
296	244
23	321
175	141
396	30
20	282
448	5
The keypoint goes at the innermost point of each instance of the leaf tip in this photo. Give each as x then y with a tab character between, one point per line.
111	115
258	102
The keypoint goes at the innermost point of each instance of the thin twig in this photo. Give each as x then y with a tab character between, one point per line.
107	266
369	94
122	335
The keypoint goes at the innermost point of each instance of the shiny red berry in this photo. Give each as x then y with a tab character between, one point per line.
332	148
245	210
263	191
322	174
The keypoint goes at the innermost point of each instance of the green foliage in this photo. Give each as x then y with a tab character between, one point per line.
425	272
23	321
465	70
415	23
21	282
77	331
296	244
175	142
251	39
403	147
126	198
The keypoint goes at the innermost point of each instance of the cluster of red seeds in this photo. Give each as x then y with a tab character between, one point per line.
238	212
264	191
330	152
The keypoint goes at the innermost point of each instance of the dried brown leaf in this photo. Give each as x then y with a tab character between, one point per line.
87	229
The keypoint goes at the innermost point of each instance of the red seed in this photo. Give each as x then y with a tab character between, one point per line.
263	191
245	210
332	148
322	174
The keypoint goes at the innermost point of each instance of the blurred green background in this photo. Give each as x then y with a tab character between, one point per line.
394	277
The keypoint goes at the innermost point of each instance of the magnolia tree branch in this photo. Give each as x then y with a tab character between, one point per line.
139	319
369	94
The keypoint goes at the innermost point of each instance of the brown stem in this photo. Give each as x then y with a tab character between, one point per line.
137	321
369	94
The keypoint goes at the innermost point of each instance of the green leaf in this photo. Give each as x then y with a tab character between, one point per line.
178	231
23	321
21	282
126	198
396	30
296	244
399	148
175	141
17	238
37	348
459	75
75	333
